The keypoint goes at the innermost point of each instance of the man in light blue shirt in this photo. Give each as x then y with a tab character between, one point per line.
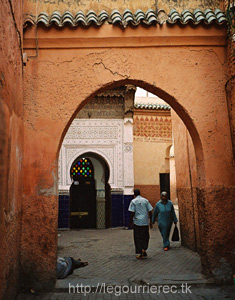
141	218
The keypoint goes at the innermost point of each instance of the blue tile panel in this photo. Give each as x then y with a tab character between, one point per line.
117	210
63	217
120	214
127	200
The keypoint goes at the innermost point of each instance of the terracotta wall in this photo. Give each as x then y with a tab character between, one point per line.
193	85
186	182
97	5
230	84
150	192
173	189
188	4
11	143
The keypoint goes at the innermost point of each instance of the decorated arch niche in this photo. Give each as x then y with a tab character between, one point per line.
79	154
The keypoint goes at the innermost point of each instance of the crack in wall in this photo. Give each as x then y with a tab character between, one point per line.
17	31
223	64
113	73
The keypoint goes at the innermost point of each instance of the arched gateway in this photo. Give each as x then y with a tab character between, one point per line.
184	65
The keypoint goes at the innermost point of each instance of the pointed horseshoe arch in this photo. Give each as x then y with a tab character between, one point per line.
99	153
174	103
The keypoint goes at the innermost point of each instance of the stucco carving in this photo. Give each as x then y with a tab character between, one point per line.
129	101
128	147
110	106
103	137
92	132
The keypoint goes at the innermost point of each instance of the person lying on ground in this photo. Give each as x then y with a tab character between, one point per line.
66	265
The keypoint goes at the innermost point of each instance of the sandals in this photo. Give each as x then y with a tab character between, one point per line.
140	257
143	255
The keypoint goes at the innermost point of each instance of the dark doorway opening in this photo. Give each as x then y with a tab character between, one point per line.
82	195
165	183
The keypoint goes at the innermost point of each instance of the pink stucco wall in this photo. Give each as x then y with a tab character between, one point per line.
186	184
97	5
72	66
230	84
11	144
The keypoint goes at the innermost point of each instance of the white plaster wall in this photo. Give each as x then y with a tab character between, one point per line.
128	156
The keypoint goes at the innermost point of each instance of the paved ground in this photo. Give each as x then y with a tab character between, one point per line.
114	273
111	257
202	293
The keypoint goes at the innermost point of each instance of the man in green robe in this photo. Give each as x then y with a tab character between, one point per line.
165	213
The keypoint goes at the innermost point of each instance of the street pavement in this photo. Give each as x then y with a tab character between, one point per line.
114	272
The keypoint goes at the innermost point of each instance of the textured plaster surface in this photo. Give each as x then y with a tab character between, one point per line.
11	143
149	161
186	179
59	82
98	5
216	205
201	209
150	192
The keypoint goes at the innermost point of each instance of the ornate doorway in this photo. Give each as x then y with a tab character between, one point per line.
82	195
